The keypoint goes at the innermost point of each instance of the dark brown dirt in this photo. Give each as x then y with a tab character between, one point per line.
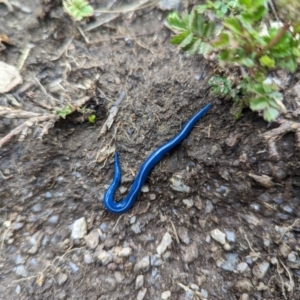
47	185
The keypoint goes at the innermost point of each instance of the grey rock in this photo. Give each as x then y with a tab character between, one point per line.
125	252
18	290
183	235
204	293
132	220
209	207
136	228
145	189
37	207
230	235
79	229
191	253
164	244
16	226
169	4
284	250
53	219
139	282
142	264
155	260
19	260
73	267
218	236
48	195
105	257
177	183
261	269
242	267
230	262
244	296
189	203
292	257
92	239
21	270
119	276
88	258
166	295
244	286
141	294
62	278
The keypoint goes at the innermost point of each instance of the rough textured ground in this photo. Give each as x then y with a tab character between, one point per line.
201	229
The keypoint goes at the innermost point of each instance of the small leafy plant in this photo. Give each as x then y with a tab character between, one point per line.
78	9
236	33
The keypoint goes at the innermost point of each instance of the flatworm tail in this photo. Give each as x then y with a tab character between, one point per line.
125	204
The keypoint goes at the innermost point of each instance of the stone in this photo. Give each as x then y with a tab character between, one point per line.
125	252
142	264
218	236
166	295
189	203
261	269
79	229
105	257
191	253
141	294
92	239
183	235
61	279
164	244
244	286
139	282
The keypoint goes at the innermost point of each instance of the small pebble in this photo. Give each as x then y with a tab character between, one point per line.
79	229
92	239
141	294
125	252
48	195
53	219
261	269
139	282
62	278
218	236
230	235
145	189
188	203
166	295
191	253
209	207
164	244
142	264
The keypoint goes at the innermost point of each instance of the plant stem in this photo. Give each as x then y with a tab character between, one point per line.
274	41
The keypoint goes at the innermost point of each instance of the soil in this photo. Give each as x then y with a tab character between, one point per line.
48	184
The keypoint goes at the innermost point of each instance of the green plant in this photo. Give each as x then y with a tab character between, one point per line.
92	118
78	9
236	32
66	110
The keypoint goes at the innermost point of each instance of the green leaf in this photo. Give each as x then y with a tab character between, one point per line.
246	3
296	52
267	61
201	9
175	22
270	114
258	103
92	118
276	95
222	40
247	62
208	29
200	24
289	64
233	24
178	38
195	46
187	40
64	111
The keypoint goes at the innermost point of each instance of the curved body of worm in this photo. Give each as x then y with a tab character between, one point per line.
125	204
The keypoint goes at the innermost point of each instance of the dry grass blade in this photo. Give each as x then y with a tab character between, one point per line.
27	124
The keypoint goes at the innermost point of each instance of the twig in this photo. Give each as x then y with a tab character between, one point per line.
175	232
28	123
288	229
274	41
